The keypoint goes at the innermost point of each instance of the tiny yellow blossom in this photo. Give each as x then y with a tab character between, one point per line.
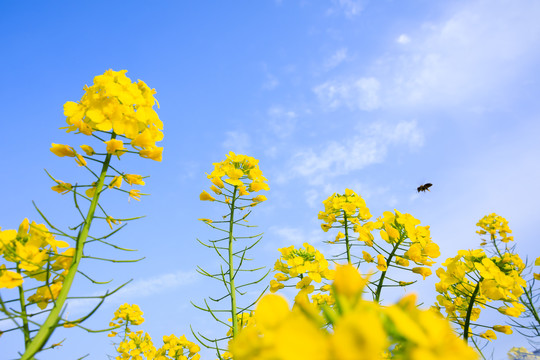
62	150
62	187
134	194
115	147
206	196
88	150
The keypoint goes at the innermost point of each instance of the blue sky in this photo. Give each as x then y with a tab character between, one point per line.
376	96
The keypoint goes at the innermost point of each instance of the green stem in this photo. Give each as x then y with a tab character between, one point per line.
469	311
50	324
531	302
24	315
347	237
383	275
231	267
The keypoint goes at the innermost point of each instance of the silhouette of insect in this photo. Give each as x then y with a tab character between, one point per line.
424	187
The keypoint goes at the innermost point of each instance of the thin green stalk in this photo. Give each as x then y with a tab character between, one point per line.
231	267
347	237
24	315
383	275
469	311
531	302
52	320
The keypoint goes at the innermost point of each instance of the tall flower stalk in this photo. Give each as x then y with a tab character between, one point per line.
122	110
474	280
233	181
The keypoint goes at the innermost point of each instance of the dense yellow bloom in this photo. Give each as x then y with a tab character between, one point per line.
113	102
337	206
178	348
240	171
489	278
136	346
359	330
494	225
127	313
31	247
307	262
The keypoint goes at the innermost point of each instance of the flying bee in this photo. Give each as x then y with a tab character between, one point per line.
424	187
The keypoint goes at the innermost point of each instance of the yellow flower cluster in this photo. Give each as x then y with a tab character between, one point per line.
127	314
178	348
32	247
337	207
240	171
307	263
138	345
242	320
472	276
494	225
359	329
401	229
115	103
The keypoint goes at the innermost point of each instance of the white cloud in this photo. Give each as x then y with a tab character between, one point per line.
467	59
237	141
271	82
362	94
403	39
294	236
282	121
139	288
369	147
337	58
152	286
349	7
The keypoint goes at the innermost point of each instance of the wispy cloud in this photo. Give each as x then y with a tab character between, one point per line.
467	60
369	146
271	81
294	236
137	289
281	121
349	7
361	94
237	141
337	58
403	39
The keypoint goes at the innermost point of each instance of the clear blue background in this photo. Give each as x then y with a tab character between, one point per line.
376	96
